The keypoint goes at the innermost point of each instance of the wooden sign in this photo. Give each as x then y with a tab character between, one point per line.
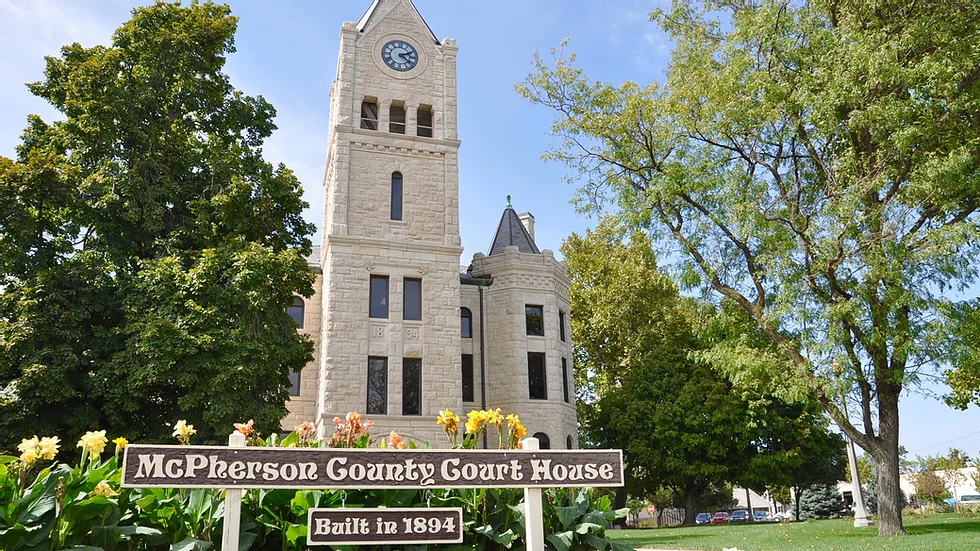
227	467
389	526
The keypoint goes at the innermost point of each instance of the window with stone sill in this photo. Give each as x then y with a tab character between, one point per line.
536	376
413	299
378	297
369	114
424	121
411	386
294	380
396	117
467	377
544	443
377	390
465	323
534	319
396	195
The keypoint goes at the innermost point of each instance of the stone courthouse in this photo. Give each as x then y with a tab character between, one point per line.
401	330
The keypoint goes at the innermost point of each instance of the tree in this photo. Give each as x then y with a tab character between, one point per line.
678	423
643	389
930	488
814	162
148	253
820	501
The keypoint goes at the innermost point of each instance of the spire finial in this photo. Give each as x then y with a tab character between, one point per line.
508	202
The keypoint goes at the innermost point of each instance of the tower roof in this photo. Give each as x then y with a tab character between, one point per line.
366	18
512	233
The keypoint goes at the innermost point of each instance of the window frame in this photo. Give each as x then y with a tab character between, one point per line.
561	326
397	197
299	303
371	296
405	295
465	314
467	377
420	129
381	386
540	320
532	389
367	121
564	380
392	123
295	382
416	363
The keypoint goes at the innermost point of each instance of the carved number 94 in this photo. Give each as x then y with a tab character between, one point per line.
421	525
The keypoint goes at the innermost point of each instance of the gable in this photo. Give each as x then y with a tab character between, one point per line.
380	9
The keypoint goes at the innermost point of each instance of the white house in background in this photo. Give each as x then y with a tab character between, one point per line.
401	330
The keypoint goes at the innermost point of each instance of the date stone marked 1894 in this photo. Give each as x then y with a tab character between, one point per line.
389	526
226	467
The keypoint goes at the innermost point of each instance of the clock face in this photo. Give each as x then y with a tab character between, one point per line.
400	55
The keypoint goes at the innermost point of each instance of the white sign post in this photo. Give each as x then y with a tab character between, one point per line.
533	511
233	505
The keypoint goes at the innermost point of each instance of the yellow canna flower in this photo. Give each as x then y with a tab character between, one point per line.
448	420
48	447
94	442
29	456
183	432
120	443
102	489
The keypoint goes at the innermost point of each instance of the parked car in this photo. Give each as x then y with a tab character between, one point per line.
739	515
721	517
760	516
970	499
785	516
703	518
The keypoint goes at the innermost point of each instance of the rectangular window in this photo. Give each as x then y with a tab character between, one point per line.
564	379
561	325
377	391
424	125
294	377
535	319
379	297
396	116
369	114
537	386
411	386
467	377
413	299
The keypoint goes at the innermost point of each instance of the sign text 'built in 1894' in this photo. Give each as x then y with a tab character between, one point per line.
226	467
389	526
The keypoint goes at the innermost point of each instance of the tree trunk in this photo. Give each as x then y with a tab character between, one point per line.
619	501
797	492
885	452
690	506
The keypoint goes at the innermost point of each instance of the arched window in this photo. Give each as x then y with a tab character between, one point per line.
568	442
544	442
465	323
296	311
396	195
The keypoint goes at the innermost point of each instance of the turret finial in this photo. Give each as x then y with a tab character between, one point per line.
508	202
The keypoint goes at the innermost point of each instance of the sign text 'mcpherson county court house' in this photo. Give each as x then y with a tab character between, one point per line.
226	467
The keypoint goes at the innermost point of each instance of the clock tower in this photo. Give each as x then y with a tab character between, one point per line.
389	331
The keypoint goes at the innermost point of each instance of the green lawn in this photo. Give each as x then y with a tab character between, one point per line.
949	532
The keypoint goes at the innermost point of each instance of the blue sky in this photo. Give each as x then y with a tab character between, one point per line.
287	52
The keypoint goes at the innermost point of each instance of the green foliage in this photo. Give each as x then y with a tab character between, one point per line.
815	163
930	488
646	385
148	252
59	506
821	501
